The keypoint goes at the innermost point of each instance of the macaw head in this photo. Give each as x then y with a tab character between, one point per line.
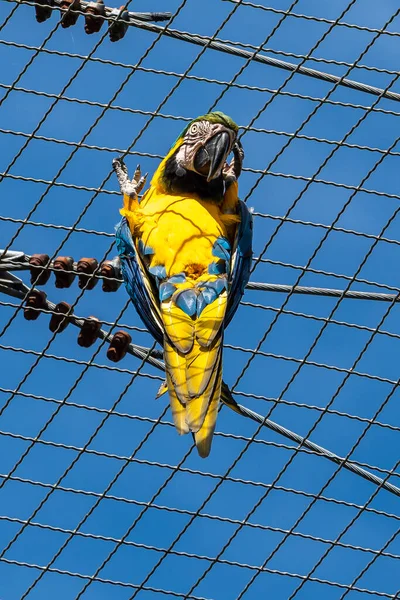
205	144
196	160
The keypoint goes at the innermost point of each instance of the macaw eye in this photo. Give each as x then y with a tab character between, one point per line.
194	129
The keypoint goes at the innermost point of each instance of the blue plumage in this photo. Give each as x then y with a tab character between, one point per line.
201	304
135	278
179	278
158	271
217	268
191	223
166	290
145	250
146	296
187	301
241	261
209	294
222	249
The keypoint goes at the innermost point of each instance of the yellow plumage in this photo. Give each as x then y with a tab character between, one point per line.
180	231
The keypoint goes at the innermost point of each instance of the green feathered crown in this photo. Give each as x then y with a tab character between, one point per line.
213	117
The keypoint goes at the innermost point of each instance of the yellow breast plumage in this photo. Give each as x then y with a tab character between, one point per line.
180	230
185	233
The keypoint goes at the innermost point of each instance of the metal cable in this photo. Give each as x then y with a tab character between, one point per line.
245	170
135	111
109	17
252	285
286	134
196	556
320	333
229	49
223	46
245	412
314	18
302	445
340	387
250	414
42	573
186	527
150	504
145	588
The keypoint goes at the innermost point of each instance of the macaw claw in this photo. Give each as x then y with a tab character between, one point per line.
231	171
129	187
162	389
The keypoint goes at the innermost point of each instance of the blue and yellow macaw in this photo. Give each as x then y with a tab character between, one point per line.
185	252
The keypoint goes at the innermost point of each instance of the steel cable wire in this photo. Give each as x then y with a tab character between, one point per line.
247	439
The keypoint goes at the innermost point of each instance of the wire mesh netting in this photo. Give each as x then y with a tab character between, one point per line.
99	497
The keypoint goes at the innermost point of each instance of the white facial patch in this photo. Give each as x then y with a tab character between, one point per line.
197	136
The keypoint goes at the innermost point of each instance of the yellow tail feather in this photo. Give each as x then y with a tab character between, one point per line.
209	323
201	368
197	406
178	409
196	414
204	436
175	366
178	326
193	361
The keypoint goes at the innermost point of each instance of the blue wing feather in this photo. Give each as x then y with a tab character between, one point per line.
144	293
240	261
137	283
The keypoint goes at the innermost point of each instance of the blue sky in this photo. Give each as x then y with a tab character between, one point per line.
268	375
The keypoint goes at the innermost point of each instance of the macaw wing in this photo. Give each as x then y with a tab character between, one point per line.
137	282
240	261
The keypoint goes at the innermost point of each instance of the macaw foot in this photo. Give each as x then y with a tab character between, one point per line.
231	171
129	187
162	389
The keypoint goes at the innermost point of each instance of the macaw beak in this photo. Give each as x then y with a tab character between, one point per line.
211	157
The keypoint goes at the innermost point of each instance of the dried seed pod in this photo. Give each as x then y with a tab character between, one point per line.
89	332
119	27
94	13
39	276
59	321
69	17
35	301
85	268
63	272
111	270
43	10
119	346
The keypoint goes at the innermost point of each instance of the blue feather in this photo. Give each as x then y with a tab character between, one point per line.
240	272
140	287
166	290
209	294
144	250
222	249
142	297
158	271
221	284
179	278
217	268
201	304
187	301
